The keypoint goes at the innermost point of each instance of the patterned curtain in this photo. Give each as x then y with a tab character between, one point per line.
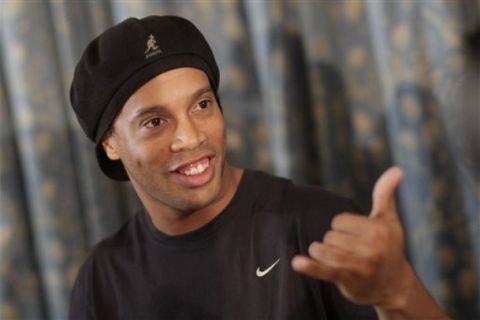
324	92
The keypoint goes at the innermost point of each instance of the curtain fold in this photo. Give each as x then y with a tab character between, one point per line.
324	92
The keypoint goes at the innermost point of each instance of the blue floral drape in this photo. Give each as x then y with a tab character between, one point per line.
325	92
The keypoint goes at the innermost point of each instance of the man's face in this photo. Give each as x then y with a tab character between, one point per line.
170	137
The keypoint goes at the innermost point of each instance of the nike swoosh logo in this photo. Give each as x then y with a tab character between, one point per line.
264	272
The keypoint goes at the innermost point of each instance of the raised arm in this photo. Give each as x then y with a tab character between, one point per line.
365	258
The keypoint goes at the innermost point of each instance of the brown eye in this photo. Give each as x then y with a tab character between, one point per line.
155	122
203	104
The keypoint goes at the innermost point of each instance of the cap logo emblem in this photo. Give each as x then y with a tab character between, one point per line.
152	48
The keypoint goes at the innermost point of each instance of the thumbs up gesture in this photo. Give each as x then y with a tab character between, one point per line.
364	257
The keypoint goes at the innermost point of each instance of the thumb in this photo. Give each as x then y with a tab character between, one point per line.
384	193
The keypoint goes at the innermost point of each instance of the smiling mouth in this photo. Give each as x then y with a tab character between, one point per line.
195	168
196	173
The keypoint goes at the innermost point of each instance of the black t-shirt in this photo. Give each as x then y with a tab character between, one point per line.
235	267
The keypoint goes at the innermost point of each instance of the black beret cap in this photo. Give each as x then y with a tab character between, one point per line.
123	58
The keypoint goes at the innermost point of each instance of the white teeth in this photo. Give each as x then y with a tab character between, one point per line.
199	168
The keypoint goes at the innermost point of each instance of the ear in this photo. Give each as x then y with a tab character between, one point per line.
110	146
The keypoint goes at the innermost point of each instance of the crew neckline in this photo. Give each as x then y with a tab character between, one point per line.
208	229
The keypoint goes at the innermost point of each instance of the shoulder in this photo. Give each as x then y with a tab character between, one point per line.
307	210
267	191
128	236
95	273
277	191
309	197
130	233
312	210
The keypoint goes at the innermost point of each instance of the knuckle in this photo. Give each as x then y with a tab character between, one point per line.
336	221
339	219
329	237
341	260
314	249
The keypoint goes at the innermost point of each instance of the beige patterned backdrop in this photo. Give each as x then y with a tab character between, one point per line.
324	92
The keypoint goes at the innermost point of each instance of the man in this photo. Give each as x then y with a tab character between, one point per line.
216	241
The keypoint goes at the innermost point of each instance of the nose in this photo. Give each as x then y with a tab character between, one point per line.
188	136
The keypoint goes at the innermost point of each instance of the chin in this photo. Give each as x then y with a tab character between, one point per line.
189	206
200	200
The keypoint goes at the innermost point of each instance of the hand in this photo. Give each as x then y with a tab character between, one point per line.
364	256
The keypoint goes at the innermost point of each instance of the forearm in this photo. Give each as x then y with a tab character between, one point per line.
414	303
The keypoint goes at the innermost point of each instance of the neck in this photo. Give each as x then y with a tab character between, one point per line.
176	222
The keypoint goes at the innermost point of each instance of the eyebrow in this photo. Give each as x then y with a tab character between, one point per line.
159	108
